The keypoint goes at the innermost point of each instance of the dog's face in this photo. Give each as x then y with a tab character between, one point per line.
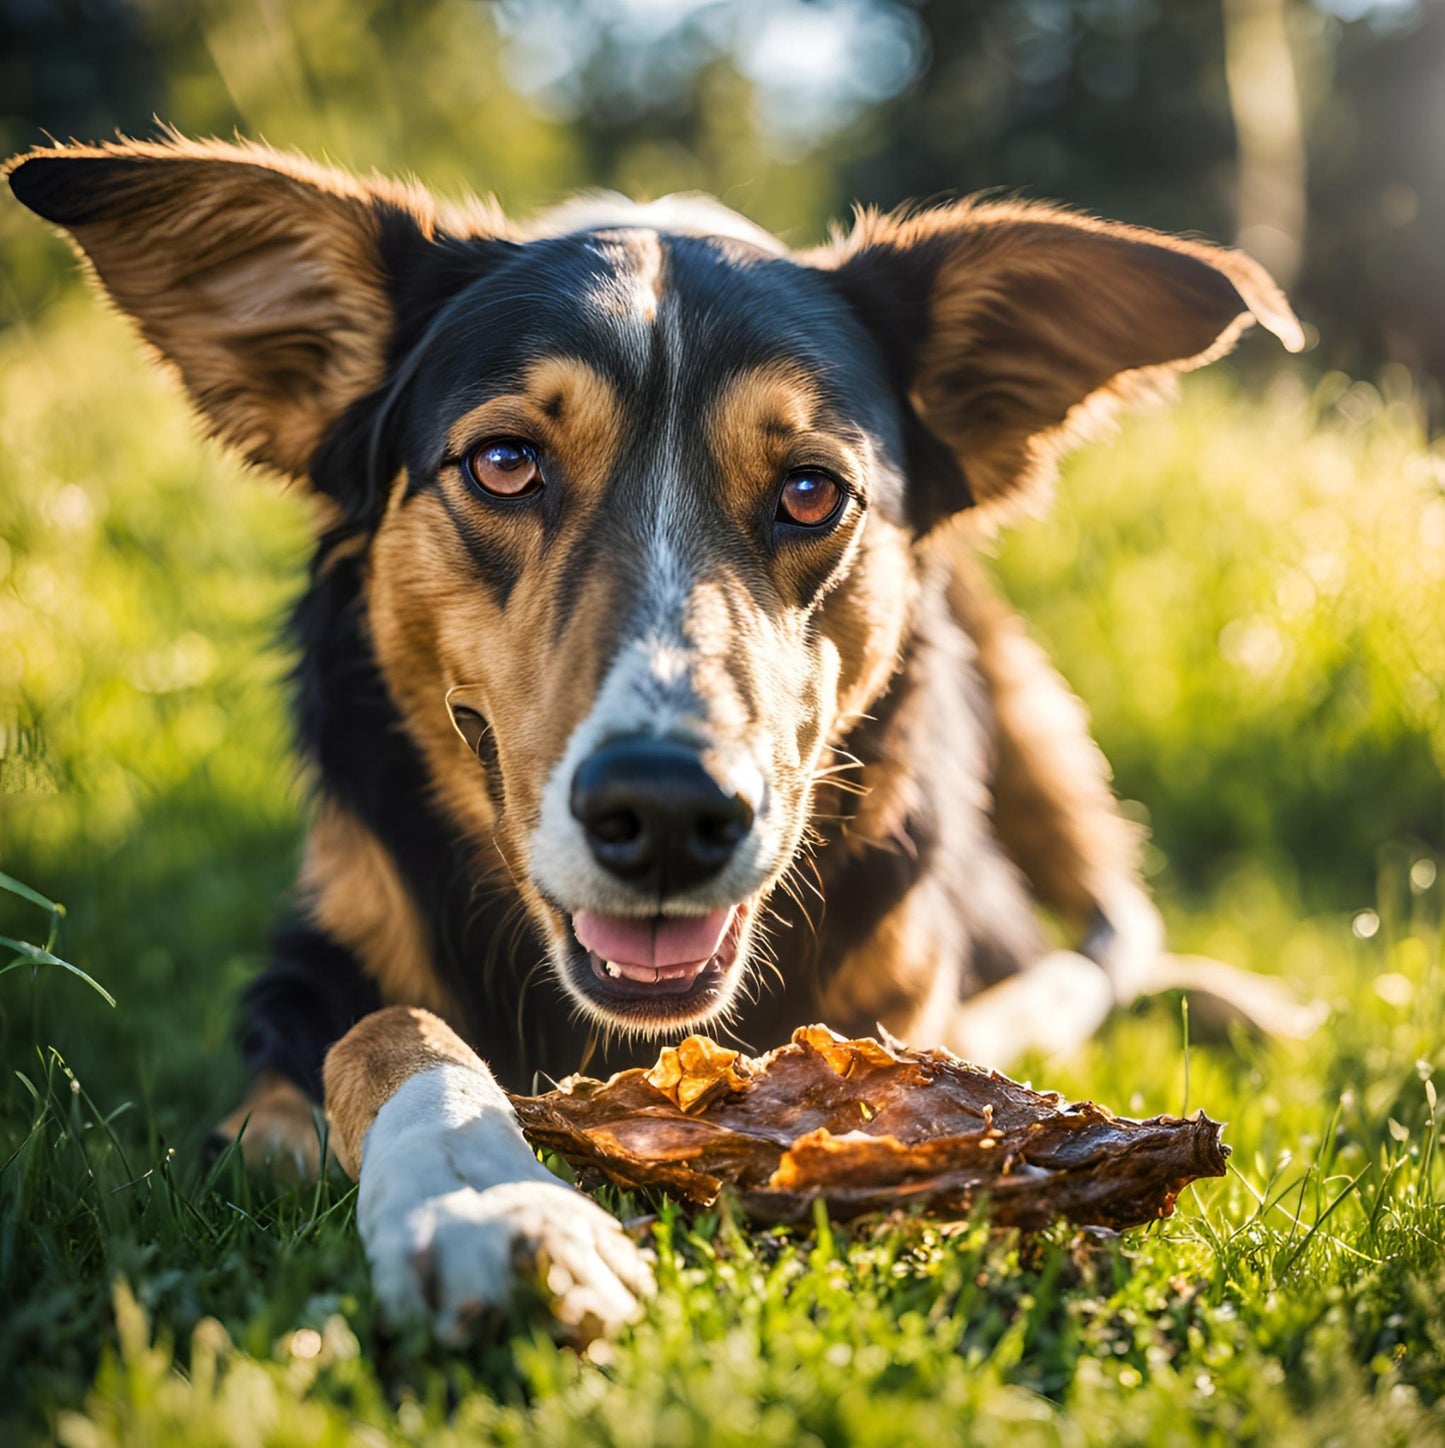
650	539
640	499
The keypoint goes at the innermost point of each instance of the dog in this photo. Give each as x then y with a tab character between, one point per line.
647	676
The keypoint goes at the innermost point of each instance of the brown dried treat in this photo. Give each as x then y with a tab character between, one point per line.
866	1126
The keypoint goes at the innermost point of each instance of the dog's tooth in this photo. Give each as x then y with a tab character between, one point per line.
615	971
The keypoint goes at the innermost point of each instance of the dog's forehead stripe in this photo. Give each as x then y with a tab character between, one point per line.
631	288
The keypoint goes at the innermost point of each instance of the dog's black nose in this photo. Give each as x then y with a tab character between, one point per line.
654	816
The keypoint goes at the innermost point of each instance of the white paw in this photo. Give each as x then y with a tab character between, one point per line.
456	1260
460	1219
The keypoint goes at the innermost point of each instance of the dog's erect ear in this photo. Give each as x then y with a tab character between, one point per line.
1009	327
266	280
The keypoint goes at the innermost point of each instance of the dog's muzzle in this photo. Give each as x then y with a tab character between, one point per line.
657	821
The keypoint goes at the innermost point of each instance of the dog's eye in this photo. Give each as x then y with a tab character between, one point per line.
507	467
809	498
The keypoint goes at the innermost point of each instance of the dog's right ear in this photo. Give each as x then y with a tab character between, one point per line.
1013	329
270	283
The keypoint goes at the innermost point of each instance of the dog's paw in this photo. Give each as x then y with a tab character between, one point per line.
1222	996
459	1260
277	1128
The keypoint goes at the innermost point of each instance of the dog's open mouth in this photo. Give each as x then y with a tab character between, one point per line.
675	968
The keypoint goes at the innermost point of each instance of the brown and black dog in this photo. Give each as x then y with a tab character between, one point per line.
645	674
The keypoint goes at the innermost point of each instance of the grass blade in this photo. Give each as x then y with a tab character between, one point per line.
33	955
16	887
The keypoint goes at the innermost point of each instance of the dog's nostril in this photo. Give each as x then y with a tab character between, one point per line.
619	828
725	831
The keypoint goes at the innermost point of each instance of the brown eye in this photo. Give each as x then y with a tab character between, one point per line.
505	467
808	499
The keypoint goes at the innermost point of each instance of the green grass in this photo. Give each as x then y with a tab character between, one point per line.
1287	741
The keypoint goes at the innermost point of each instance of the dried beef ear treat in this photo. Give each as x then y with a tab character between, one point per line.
866	1126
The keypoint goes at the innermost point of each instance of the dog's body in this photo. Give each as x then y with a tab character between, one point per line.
644	642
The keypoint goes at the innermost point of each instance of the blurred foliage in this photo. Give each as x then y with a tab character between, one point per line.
142	580
1250	593
791	109
1375	277
377	84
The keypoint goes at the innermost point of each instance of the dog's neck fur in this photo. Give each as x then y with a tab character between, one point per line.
885	852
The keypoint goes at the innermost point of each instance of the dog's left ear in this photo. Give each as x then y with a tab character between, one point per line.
1011	327
272	285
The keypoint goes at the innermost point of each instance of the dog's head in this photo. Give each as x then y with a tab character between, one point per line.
640	490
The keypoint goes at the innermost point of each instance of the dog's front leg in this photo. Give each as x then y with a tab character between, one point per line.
1057	1003
455	1211
1050	1009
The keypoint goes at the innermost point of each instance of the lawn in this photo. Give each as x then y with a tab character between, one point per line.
1248	590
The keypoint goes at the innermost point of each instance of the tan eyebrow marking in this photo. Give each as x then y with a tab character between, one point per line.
771	403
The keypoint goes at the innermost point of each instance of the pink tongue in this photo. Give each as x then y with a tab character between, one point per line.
663	940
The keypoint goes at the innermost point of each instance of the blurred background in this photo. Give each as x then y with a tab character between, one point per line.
1311	131
1248	590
